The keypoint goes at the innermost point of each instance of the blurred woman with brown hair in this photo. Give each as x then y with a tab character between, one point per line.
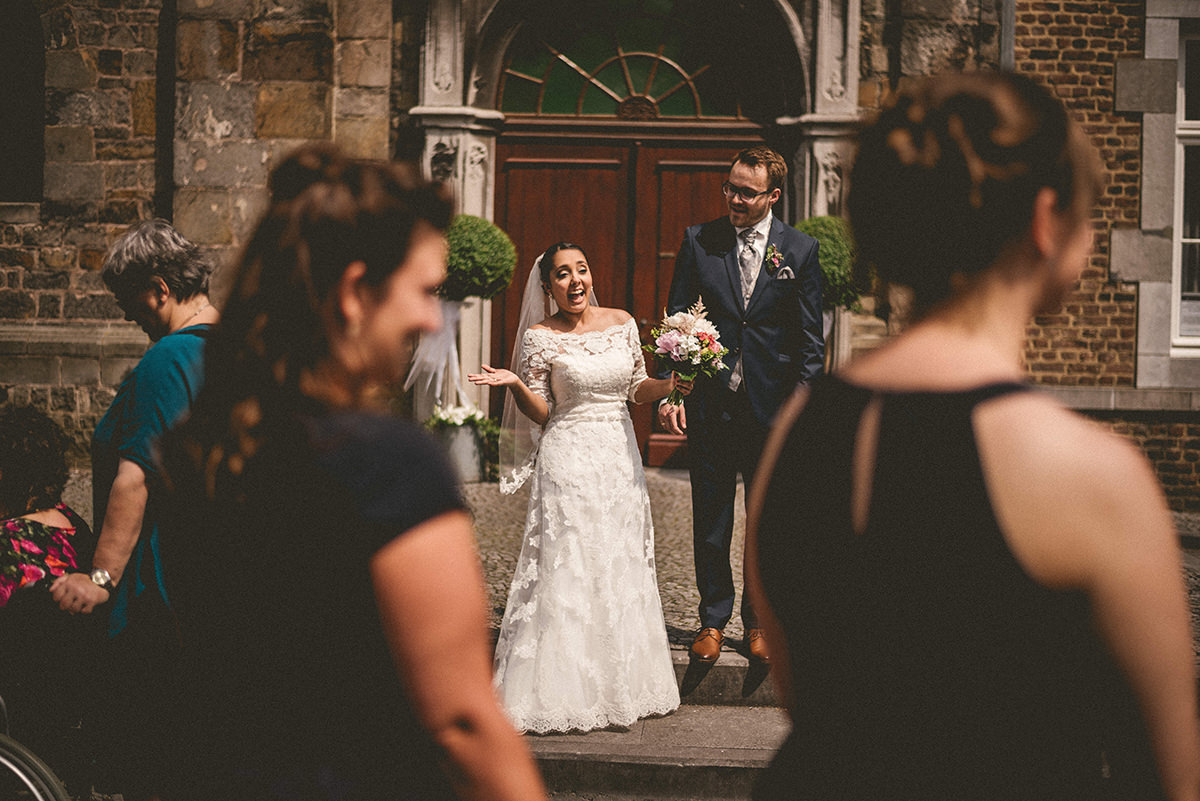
981	578
319	546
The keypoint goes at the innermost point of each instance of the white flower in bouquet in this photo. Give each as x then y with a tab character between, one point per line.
690	344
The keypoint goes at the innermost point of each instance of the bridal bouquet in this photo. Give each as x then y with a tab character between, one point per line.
689	343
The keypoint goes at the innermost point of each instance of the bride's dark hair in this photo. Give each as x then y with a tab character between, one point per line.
547	258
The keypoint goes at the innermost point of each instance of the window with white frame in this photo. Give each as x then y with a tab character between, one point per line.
1186	260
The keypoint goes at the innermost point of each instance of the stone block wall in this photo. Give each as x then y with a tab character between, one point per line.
255	84
250	82
910	38
63	342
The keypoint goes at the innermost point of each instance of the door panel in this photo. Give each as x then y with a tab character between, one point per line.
552	193
676	188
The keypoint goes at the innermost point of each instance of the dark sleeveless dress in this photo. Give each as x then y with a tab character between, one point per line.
925	662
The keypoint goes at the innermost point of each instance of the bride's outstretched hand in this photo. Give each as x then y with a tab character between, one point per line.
682	385
492	377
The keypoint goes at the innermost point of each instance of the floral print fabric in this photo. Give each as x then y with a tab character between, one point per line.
31	552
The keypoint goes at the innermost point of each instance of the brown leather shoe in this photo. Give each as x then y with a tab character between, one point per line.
757	641
706	647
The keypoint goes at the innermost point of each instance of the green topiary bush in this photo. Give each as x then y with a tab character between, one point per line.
844	283
482	258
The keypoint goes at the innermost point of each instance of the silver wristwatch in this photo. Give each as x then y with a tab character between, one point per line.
101	578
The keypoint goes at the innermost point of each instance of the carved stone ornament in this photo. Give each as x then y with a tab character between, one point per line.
443	161
476	161
835	89
443	78
831	179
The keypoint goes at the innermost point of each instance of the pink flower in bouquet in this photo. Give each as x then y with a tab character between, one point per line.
6	590
671	344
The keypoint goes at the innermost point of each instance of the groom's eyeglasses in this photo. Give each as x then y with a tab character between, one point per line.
729	190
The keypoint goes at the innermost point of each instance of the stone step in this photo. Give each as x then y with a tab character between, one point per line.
732	680
699	752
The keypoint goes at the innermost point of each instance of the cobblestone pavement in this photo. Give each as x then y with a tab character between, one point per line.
500	519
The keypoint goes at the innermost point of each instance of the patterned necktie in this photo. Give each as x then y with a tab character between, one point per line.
749	262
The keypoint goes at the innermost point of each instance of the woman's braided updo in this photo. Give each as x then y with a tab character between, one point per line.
945	178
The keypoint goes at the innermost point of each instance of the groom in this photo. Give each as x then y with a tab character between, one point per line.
760	281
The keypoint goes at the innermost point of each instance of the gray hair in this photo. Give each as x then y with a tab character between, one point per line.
154	249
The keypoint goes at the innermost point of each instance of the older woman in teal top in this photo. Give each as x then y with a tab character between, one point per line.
160	280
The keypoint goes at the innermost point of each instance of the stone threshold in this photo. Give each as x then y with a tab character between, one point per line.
1120	399
103	339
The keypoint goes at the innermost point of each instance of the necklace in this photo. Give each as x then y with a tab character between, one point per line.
196	312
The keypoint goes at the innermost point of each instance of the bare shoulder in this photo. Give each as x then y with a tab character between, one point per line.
1056	441
1064	488
610	317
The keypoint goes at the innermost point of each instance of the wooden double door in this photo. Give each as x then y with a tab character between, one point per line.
627	205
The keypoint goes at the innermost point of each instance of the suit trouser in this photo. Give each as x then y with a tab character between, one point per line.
728	442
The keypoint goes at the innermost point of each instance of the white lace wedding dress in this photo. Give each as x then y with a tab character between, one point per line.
583	644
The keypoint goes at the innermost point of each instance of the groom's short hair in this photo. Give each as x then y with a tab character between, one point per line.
761	154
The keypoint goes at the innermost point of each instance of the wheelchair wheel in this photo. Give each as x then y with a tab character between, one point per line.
24	777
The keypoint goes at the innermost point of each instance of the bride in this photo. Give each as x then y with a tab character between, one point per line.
583	644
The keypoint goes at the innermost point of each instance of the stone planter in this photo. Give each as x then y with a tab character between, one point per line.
462	443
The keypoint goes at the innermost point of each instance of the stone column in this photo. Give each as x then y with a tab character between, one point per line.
822	163
459	148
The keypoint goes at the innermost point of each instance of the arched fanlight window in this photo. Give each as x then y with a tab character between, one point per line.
22	103
634	60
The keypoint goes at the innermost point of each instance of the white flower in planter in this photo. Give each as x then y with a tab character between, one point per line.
455	416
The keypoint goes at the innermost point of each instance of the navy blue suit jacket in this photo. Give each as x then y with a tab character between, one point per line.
779	333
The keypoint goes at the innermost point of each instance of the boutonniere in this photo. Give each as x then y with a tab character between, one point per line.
773	261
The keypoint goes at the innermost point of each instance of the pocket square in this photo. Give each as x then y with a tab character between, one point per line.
785	272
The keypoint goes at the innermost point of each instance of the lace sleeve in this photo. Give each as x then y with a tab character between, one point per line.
638	374
534	369
519	435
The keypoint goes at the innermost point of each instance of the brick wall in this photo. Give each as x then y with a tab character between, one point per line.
1171	440
1072	46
